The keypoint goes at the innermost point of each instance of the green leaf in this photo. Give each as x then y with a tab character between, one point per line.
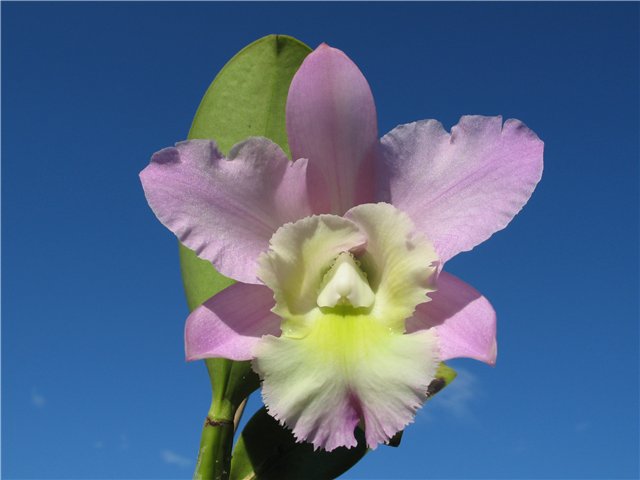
266	451
247	98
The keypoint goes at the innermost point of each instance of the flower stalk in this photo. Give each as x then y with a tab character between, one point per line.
231	383
214	456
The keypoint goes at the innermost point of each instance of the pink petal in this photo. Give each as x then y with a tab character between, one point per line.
331	120
462	187
463	319
226	209
230	323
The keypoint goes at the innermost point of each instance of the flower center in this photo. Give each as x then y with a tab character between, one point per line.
345	284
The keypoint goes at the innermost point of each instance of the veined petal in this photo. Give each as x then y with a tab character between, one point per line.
463	319
226	209
462	187
231	323
399	261
300	254
348	368
331	120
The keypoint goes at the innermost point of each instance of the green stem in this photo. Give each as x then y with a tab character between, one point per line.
231	382
214	456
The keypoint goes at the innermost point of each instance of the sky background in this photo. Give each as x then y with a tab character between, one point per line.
94	382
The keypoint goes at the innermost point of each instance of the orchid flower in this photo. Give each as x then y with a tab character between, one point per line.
341	303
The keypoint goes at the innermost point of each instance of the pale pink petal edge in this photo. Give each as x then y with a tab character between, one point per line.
231	323
463	319
226	209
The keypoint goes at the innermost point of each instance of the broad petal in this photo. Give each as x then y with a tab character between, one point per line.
331	120
349	368
231	323
226	210
463	319
400	263
462	187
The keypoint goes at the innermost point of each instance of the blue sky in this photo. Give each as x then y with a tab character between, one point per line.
94	383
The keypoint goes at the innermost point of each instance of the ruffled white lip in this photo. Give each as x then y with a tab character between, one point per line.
348	369
343	356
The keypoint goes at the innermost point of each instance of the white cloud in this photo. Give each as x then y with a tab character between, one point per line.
98	444
37	400
173	458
